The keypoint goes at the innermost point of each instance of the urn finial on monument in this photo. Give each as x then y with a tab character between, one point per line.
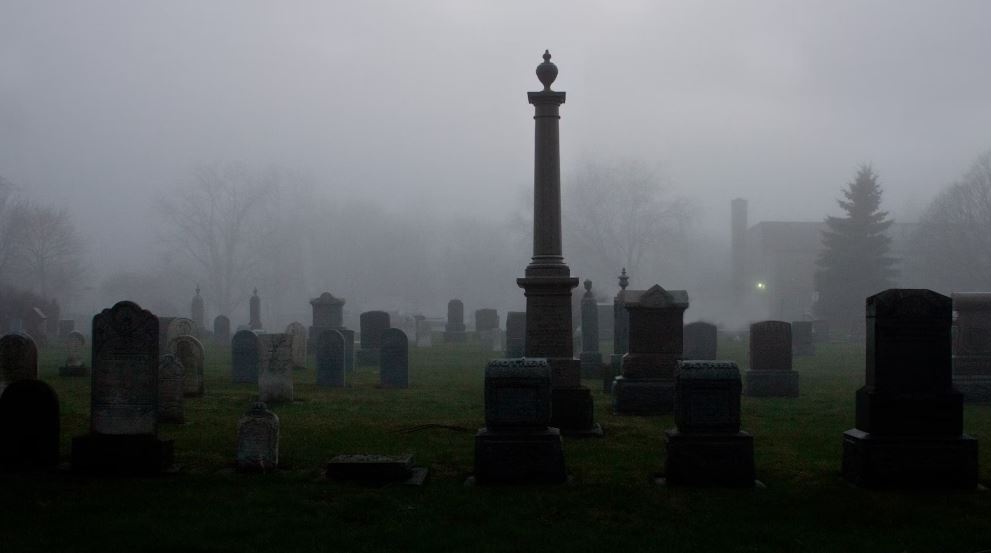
547	71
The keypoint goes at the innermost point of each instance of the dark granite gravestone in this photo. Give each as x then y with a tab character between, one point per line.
972	347
646	385
258	440
222	330
454	330
373	323
244	357
707	448
909	429
802	340
196	311
486	320
394	359
189	352
123	436
516	445
29	426
701	341
255	311
515	334
298	348
171	384
18	359
74	364
275	383
591	358
770	373
330	350
328	313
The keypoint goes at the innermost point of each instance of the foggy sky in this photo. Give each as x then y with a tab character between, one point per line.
105	106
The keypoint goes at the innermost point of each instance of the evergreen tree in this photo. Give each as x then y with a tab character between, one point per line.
854	262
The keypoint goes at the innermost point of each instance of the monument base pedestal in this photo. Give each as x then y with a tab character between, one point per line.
975	389
454	337
74	371
591	364
519	457
709	459
141	454
573	412
873	461
771	384
366	357
643	396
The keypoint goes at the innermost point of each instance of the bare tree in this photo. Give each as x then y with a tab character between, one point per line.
7	228
46	249
954	235
216	223
619	213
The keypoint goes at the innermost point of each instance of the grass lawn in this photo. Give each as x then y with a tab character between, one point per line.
612	504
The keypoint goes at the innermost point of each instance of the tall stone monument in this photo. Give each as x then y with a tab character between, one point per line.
972	347
547	281
646	385
123	434
621	334
454	330
196	311
591	358
909	429
255	311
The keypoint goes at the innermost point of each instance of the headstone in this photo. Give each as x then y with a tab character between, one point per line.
590	357
196	311
171	385
515	334
802	340
189	352
255	311
275	368
124	396
29	426
330	351
700	341
244	357
394	359
707	448
486	320
424	333
179	326
909	430
454	330
222	329
517	445
348	349
972	346
770	373
646	385
298	349
74	365
373	323
820	331
328	313
18	359
258	440
65	326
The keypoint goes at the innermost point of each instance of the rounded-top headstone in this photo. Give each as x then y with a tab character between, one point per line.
18	359
29	426
258	439
189	352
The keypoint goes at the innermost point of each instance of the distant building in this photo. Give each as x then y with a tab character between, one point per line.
779	266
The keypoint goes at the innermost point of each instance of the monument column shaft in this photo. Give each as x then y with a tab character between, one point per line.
547	179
